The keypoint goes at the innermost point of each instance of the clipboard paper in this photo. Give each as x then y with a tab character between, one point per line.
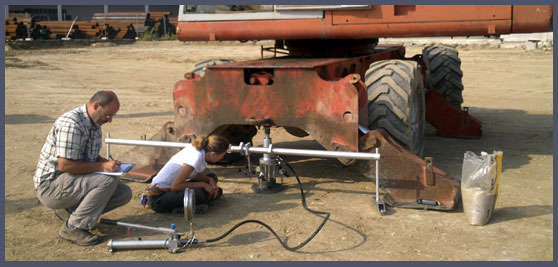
124	169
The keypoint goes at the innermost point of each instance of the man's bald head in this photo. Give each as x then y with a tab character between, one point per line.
104	98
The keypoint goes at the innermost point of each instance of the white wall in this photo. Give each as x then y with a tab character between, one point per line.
522	37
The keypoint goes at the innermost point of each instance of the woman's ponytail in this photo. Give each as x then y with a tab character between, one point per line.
200	143
212	143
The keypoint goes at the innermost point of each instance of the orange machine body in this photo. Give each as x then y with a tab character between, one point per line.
380	21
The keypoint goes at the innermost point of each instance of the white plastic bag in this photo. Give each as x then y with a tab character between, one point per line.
479	185
478	171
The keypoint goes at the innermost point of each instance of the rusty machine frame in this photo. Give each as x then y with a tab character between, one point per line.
333	82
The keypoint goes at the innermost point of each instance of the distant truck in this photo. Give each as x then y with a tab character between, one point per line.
329	78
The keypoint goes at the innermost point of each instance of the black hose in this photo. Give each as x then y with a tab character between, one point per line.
273	232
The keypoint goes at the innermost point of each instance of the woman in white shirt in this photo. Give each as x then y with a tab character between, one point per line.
183	170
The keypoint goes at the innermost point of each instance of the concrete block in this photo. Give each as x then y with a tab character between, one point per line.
531	45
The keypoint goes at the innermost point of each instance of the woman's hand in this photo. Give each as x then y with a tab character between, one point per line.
212	190
212	182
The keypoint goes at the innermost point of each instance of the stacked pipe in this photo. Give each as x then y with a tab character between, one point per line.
97	28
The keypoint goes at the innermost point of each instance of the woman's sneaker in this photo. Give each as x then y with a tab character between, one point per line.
178	210
201	209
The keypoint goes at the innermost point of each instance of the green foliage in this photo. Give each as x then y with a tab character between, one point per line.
149	36
153	36
169	37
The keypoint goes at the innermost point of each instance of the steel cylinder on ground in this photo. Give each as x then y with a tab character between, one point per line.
396	102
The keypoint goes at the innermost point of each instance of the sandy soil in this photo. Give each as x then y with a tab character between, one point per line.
509	90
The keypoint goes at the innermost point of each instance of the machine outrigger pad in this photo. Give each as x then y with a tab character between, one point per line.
407	180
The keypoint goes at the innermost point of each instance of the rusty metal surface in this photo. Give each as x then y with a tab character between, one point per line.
304	96
381	21
282	63
406	178
449	120
296	97
528	18
322	97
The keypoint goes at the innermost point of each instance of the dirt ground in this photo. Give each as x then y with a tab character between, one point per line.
509	90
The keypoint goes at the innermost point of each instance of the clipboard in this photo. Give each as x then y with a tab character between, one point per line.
124	169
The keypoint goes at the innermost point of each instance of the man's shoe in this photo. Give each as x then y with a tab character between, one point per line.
78	236
62	214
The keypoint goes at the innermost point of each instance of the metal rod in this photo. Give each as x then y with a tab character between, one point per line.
258	150
267	142
108	146
165	24
377	181
379	203
160	229
145	143
71	27
27	26
309	153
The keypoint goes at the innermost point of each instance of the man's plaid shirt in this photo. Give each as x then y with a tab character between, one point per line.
73	136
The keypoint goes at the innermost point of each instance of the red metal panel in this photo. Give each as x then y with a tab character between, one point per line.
449	120
380	21
531	18
298	97
422	14
315	29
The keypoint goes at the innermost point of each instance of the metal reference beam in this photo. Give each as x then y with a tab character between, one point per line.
257	150
144	143
306	152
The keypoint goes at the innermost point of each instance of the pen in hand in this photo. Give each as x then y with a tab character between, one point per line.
116	161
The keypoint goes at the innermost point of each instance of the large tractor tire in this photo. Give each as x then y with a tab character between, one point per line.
396	102
233	133
444	73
